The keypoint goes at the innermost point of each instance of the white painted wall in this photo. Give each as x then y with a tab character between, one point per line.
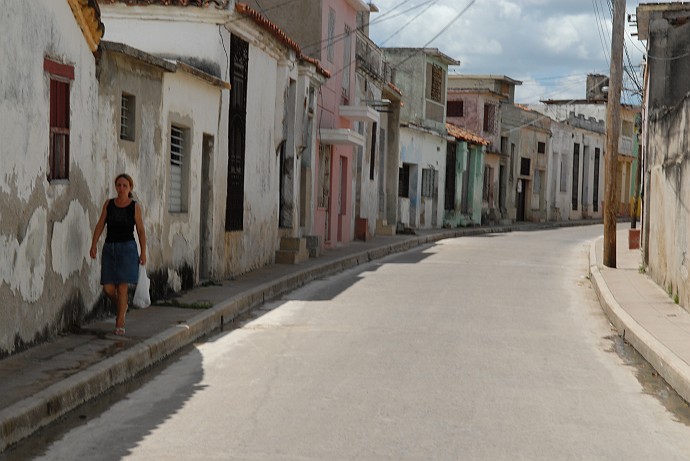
194	104
45	273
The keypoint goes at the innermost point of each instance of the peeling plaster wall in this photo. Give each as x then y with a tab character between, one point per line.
46	281
669	200
143	157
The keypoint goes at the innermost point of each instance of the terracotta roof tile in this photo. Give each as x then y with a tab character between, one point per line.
465	135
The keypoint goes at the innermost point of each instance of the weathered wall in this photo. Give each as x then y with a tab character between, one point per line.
178	33
194	105
668	191
669	44
590	136
471	173
47	280
425	150
410	78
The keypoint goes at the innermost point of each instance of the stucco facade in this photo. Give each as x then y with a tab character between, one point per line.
577	169
475	102
269	160
326	31
47	280
421	76
666	141
527	137
628	145
464	178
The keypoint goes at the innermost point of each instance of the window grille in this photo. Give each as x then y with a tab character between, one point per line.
347	57
324	175
127	117
331	35
437	83
455	109
177	144
489	118
428	182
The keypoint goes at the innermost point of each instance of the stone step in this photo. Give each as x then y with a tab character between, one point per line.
293	250
383	228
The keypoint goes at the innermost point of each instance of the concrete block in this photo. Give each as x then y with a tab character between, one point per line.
313	245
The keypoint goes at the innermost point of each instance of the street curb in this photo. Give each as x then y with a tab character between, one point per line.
674	370
29	415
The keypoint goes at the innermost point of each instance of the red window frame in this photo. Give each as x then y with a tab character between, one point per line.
58	156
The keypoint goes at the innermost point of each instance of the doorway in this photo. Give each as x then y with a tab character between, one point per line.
520	199
205	207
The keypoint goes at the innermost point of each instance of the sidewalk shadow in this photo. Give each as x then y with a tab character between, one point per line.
115	423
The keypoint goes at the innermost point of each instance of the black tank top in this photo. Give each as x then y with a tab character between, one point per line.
119	222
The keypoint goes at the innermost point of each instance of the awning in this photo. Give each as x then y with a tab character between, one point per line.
341	136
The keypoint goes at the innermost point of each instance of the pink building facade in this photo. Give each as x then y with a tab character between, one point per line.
333	44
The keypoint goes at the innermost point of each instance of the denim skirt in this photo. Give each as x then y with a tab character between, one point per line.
120	263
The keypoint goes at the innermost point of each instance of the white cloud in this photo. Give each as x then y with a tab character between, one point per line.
552	44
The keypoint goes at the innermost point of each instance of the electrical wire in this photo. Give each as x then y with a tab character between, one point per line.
432	3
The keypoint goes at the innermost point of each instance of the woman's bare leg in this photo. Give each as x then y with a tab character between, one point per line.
111	292
122	299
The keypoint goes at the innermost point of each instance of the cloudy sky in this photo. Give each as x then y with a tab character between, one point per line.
549	45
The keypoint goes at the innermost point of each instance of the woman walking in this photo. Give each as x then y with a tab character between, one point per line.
120	260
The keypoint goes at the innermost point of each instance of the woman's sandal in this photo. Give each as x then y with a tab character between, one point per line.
119	331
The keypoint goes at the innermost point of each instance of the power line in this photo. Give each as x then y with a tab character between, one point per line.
431	3
455	18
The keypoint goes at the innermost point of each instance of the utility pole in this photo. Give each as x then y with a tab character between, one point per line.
613	128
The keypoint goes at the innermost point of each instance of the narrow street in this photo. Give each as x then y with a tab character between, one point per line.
480	348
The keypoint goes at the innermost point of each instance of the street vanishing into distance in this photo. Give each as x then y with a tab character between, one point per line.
491	347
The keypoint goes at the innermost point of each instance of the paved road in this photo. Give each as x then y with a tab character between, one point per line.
478	348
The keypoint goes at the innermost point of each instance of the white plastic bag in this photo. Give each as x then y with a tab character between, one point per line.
142	298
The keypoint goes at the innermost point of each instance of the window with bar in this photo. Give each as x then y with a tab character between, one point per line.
127	116
428	182
490	118
455	108
347	57
331	35
437	76
176	198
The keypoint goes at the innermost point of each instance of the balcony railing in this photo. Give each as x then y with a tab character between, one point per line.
370	58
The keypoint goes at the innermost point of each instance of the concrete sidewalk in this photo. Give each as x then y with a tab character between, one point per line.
643	313
40	385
